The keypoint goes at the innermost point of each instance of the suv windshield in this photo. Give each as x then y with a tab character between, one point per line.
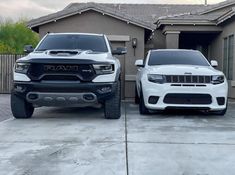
73	42
177	57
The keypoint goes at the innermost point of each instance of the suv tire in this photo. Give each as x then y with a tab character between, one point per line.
20	108
142	108
112	106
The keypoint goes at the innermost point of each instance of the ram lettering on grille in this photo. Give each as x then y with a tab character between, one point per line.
55	68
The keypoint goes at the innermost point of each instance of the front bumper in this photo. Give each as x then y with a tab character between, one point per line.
63	93
161	90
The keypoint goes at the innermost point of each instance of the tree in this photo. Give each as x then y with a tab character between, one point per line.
15	35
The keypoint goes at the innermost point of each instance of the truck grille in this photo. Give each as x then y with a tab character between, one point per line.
195	99
61	72
60	78
188	79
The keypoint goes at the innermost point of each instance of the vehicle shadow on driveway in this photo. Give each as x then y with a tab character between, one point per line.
81	113
69	112
179	113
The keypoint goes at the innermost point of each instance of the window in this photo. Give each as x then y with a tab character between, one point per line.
72	42
177	57
228	57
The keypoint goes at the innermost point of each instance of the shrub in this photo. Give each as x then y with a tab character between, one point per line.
15	35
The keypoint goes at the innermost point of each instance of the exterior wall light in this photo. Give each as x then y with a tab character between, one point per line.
134	44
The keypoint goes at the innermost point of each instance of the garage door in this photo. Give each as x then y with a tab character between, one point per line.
122	61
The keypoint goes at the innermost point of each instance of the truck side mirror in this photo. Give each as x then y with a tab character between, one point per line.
28	49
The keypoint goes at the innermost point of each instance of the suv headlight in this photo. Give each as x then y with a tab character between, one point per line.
217	79
155	78
22	67
103	68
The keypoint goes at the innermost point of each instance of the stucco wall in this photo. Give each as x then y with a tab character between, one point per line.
94	22
159	39
217	49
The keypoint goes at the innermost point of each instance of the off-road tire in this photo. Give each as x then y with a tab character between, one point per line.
142	108
112	106
21	108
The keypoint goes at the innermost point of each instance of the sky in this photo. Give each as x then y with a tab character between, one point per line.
17	9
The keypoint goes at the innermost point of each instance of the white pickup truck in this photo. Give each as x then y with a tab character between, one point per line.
68	69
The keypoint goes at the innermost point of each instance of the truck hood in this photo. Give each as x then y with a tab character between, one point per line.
183	70
81	55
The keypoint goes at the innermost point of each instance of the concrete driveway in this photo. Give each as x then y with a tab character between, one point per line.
72	141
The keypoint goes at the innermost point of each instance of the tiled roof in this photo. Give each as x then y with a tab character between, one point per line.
214	7
146	12
194	16
143	15
90	6
209	14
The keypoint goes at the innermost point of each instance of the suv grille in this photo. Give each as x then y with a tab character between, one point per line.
188	79
196	99
62	72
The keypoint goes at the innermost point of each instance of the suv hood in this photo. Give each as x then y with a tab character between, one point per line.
183	70
81	55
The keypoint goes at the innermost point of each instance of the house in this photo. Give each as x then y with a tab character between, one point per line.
209	29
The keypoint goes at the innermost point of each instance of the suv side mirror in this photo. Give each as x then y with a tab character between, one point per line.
139	63
28	48
119	51
214	63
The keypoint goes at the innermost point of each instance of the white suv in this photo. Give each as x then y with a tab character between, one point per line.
181	79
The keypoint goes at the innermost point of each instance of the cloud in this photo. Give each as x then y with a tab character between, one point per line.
24	8
35	8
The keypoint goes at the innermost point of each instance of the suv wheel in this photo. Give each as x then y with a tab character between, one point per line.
20	108
142	107
112	107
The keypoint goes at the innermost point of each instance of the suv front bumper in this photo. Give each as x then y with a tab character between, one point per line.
198	97
64	93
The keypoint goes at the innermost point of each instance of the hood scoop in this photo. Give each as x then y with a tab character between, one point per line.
63	52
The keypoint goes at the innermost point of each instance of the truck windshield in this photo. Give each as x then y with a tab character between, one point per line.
177	57
73	42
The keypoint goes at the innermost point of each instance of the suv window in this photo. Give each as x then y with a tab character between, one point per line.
177	57
73	42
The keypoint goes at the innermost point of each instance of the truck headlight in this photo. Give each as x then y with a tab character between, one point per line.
155	78
22	67
103	68
217	79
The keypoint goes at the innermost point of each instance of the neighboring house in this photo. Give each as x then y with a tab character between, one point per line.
210	29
